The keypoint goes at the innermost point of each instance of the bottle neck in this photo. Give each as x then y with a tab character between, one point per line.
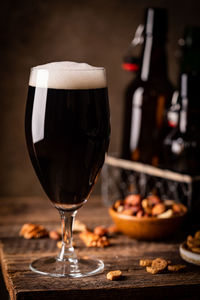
190	60
154	60
190	104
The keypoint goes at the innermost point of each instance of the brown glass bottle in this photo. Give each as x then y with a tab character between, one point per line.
148	96
181	146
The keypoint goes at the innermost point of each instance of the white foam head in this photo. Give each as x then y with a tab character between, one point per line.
68	75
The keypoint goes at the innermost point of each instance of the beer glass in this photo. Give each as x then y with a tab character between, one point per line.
67	127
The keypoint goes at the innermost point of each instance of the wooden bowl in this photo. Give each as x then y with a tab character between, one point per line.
146	228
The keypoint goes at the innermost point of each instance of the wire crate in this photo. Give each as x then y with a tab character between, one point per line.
120	177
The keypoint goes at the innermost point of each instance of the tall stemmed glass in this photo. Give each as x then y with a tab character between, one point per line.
67	132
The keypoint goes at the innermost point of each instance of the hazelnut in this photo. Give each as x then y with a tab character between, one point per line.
158	209
153	199
54	235
133	199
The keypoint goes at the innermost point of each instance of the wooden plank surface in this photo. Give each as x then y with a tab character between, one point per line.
124	253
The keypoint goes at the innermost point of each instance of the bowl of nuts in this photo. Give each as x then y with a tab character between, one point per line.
149	218
190	249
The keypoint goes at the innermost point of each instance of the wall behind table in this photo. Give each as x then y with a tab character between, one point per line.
98	32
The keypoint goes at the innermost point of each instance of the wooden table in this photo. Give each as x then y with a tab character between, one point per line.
124	253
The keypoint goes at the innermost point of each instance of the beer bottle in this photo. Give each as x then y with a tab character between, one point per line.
148	96
189	61
182	144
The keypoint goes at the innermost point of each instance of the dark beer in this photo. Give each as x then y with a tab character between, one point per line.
67	134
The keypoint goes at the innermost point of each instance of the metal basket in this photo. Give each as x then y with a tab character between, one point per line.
120	177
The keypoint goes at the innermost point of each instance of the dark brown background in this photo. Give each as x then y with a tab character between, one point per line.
98	32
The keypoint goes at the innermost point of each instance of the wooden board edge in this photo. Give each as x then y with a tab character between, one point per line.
8	282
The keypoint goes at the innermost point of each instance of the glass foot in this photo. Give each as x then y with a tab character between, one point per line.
81	267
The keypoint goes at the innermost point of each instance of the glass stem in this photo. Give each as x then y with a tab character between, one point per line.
67	250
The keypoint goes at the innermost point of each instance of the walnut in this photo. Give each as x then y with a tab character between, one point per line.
33	231
93	240
103	242
101	230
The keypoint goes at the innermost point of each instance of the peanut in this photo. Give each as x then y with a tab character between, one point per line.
152	270
176	268
114	275
145	262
